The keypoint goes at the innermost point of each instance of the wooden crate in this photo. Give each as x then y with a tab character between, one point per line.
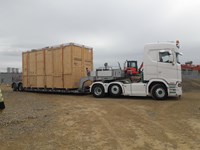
56	67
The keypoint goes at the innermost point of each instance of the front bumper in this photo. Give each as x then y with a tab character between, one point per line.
175	90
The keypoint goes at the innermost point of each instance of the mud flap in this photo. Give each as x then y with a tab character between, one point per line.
2	105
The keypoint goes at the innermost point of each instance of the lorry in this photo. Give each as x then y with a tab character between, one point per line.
159	76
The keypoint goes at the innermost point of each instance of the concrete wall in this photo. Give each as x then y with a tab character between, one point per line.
8	78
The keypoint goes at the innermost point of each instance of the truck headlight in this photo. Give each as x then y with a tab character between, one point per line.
179	85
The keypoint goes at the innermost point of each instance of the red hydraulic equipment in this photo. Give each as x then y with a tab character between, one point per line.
131	68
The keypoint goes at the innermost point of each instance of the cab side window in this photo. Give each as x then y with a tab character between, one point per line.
165	56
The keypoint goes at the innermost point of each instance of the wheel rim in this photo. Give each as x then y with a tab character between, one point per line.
115	89
97	91
160	92
14	86
20	87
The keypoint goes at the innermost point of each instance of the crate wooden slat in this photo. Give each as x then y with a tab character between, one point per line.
60	66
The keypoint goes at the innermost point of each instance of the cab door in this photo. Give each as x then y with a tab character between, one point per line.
166	65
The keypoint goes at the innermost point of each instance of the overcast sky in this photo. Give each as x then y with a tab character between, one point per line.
116	29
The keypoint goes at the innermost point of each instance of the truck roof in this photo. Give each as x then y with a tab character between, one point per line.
161	46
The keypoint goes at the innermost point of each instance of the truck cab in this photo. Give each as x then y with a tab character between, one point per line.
161	62
161	76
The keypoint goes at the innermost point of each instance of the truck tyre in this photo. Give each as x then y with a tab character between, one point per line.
115	90
159	92
14	87
98	91
20	87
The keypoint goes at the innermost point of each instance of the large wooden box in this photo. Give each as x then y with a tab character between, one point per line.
56	67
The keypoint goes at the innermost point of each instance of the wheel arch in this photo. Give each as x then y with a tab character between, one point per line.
98	83
14	86
117	83
154	82
19	83
107	85
14	83
20	86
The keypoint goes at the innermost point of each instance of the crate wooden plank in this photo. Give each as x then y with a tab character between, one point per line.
60	66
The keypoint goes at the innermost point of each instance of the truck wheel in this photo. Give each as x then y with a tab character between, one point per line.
98	91
159	92
115	90
20	87
14	87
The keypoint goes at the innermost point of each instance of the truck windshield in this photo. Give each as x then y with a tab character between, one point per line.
131	64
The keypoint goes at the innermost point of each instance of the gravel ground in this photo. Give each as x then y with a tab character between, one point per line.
52	121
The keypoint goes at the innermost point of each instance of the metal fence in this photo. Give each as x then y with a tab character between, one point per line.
191	74
8	78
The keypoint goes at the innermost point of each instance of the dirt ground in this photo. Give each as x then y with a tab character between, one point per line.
53	121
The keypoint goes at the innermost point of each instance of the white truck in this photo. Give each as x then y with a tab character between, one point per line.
160	78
